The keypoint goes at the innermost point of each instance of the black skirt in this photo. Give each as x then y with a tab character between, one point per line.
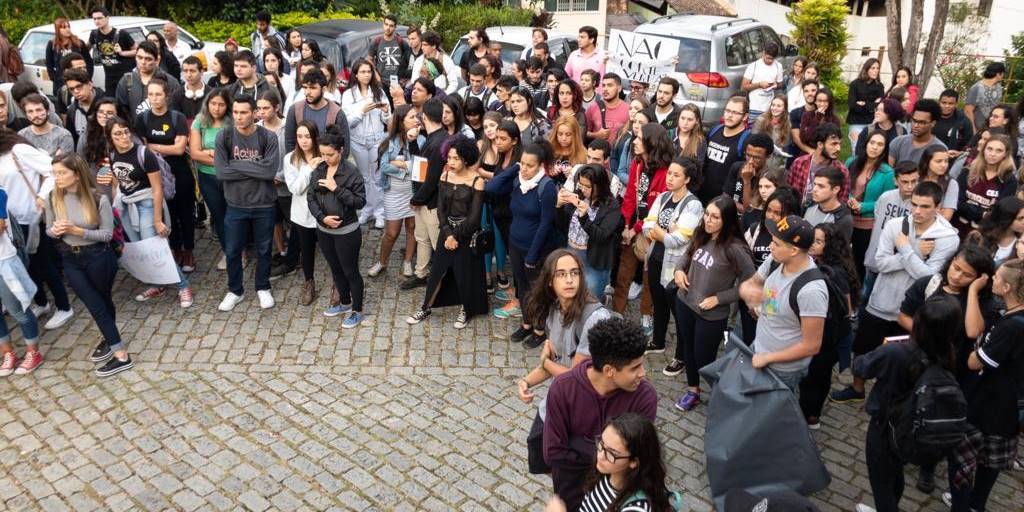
457	278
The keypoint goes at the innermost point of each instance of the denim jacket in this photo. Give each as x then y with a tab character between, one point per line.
394	151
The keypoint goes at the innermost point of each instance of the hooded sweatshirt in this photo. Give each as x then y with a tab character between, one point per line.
246	166
131	93
898	268
888	206
237	89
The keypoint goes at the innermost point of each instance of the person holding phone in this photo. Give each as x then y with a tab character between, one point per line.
368	113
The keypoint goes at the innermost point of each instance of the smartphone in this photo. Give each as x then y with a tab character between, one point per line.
394	80
896	339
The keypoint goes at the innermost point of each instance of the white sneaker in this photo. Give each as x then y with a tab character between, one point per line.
634	290
39	311
407	269
230	301
947	499
266	299
864	508
223	263
609	289
375	270
59	318
378	223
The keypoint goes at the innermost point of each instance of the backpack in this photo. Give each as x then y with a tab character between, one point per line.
166	174
15	66
332	112
485	99
675	499
743	136
930	419
838	311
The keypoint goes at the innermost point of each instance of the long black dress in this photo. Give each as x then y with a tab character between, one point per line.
457	277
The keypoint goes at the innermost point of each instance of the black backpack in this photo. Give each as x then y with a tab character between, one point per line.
838	316
930	419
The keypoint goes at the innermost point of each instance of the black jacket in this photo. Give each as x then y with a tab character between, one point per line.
955	132
869	93
603	232
349	196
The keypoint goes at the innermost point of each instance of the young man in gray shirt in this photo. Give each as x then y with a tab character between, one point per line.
41	133
784	341
247	159
827	208
910	147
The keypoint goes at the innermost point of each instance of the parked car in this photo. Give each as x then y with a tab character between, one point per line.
515	39
714	51
345	41
33	44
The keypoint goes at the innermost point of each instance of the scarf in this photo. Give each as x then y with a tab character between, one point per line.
525	186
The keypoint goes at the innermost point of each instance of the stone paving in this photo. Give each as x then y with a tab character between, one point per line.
282	410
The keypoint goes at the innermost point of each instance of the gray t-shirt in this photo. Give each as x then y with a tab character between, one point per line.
388	59
841	217
902	149
984	99
778	327
57	140
563	337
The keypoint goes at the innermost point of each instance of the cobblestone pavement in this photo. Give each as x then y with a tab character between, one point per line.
282	410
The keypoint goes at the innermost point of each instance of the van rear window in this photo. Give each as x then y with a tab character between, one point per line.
694	55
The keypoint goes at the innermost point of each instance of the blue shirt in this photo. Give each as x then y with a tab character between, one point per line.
532	215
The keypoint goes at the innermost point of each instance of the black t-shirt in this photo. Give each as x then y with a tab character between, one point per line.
992	404
162	129
722	153
131	176
733	186
112	61
795	117
469	58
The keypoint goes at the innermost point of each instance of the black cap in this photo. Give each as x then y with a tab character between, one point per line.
738	500
793	230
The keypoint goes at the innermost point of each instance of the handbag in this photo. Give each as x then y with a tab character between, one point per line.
31	244
482	242
17	239
641	244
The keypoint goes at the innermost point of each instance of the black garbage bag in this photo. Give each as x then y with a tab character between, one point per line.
755	436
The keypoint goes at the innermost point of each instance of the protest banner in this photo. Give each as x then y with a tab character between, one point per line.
150	261
642	57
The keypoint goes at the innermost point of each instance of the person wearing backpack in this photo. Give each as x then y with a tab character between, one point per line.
725	147
569	313
629	471
788	337
993	400
896	367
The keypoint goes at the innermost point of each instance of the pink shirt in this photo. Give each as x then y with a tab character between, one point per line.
576	64
615	118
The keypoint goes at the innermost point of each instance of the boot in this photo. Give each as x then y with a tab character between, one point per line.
308	293
335	296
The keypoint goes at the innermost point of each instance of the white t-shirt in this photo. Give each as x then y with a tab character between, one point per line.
758	71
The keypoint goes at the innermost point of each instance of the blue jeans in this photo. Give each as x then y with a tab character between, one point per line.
25	318
213	195
499	243
91	273
596	279
146	230
238	223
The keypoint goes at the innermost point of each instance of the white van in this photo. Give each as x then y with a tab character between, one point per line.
33	45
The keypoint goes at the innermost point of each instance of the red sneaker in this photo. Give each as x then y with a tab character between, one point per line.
9	363
28	365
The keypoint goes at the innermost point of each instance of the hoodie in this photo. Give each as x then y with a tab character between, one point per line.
898	268
954	131
237	89
131	93
888	206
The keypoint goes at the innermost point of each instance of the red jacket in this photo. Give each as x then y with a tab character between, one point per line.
629	201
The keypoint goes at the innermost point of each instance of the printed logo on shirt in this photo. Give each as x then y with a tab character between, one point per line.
893	211
771	301
703	257
144	106
389	56
717	152
122	171
248	154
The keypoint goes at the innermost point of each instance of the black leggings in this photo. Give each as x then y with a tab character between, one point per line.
183	211
885	470
975	497
815	386
861	240
307	248
342	255
663	300
697	340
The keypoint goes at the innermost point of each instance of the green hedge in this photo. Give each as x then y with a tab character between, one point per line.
458	19
220	31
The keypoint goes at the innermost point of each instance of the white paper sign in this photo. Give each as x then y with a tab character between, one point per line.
150	261
642	57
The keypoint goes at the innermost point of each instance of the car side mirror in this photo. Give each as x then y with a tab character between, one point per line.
198	45
792	50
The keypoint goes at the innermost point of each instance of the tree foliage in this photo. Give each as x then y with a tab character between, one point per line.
819	29
959	62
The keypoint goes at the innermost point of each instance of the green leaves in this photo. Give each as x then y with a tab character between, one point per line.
819	29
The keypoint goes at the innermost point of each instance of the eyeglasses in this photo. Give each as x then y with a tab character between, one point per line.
563	274
920	122
734	112
609	456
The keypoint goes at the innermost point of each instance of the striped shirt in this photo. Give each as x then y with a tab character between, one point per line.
603	494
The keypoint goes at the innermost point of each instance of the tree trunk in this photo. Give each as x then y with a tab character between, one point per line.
931	50
913	43
894	32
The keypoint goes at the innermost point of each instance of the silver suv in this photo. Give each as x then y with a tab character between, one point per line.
714	51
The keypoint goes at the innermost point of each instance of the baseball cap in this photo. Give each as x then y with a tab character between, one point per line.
793	230
739	500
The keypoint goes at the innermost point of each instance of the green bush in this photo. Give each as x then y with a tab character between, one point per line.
457	19
840	90
220	31
819	29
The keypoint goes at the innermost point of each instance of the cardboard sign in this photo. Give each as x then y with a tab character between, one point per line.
150	261
642	57
418	169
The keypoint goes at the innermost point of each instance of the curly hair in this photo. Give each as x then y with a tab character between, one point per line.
543	299
616	341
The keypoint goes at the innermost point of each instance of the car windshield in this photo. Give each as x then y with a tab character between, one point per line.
33	48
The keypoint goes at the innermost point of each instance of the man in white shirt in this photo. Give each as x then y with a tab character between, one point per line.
177	48
761	79
431	49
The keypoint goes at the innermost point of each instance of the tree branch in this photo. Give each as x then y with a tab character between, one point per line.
894	31
931	50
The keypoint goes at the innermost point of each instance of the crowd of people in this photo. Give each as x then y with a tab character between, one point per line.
551	197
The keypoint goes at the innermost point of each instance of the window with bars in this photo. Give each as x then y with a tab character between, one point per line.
570	5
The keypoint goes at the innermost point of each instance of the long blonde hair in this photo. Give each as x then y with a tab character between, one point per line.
86	190
577	153
1006	167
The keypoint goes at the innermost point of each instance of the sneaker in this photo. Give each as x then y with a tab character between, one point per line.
947	499
520	334
39	311
150	293
864	508
114	366
634	290
847	394
230	301
28	365
648	325
510	310
654	349
188	261
338	309
461	321
59	318
534	341
10	362
102	353
490	286
674	367
417	317
279	271
375	270
352	321
413	282
925	480
503	282
609	289
222	264
503	295
814	423
407	269
688	401
266	298
378	223
185	297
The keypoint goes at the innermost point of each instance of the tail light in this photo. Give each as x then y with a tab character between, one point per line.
713	80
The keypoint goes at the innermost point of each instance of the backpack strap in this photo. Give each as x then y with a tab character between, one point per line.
905	228
807	276
300	111
544	181
604	111
933	285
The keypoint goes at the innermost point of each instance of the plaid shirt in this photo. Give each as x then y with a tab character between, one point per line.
799	178
976	449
